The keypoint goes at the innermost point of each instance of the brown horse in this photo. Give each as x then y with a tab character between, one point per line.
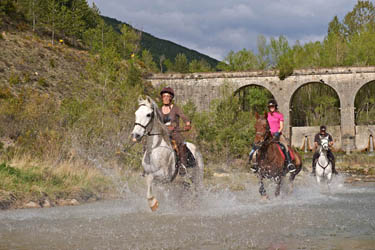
269	158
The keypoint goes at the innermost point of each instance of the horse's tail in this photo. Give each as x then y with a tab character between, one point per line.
198	170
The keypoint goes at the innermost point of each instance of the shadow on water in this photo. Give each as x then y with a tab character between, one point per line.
312	217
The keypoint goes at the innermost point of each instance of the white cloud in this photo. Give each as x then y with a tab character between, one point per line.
215	27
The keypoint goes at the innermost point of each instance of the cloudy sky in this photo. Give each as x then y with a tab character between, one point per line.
214	27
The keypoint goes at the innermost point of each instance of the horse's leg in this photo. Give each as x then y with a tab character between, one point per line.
318	178
152	201
291	179
329	179
278	180
262	190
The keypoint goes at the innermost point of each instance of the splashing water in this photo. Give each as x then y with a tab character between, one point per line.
310	218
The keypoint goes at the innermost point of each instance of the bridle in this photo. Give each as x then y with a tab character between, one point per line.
148	133
323	150
264	135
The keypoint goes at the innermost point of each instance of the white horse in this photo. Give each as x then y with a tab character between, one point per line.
323	166
159	159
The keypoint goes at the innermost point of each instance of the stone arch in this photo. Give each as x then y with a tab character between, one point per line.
370	85
302	135
242	92
297	89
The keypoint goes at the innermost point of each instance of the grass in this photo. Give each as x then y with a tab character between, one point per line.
24	180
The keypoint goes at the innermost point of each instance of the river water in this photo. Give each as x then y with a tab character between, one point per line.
310	218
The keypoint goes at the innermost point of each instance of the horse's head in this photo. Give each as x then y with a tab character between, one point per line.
262	129
324	144
143	118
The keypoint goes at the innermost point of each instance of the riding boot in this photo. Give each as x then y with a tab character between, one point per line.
290	166
183	159
313	167
333	167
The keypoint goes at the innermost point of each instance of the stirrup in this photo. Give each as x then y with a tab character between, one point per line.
291	167
182	169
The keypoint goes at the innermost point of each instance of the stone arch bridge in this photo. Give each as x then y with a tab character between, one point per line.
202	88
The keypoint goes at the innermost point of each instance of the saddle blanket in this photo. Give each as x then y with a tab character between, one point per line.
290	152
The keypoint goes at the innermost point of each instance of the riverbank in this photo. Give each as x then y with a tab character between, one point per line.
29	184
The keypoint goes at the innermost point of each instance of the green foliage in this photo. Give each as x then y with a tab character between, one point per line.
160	47
365	105
180	64
148	61
254	98
240	61
199	66
225	131
14	79
130	41
315	104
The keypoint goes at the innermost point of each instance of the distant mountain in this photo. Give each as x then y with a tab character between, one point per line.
159	47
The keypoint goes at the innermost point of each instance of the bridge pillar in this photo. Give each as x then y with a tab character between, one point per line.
347	128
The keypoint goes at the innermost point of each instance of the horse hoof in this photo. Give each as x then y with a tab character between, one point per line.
153	203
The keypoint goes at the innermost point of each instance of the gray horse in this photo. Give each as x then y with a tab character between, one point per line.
323	167
159	159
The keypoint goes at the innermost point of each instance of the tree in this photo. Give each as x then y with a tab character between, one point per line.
362	15
263	53
181	64
199	66
147	60
129	40
161	60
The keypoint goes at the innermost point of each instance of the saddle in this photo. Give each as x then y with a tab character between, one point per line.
191	163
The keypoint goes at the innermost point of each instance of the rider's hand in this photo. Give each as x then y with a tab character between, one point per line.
276	135
187	127
170	128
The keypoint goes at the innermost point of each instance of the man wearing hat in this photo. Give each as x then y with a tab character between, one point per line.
317	140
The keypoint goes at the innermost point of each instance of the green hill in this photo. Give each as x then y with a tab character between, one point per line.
159	47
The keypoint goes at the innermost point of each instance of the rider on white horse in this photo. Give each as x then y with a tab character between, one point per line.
317	141
171	115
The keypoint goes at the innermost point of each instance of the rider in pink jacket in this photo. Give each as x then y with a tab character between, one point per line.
276	122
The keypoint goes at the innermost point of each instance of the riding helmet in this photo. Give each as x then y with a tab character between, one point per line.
323	128
168	90
272	103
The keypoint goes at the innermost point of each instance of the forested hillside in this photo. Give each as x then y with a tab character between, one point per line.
160	48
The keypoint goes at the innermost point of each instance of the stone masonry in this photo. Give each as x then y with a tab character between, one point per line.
202	88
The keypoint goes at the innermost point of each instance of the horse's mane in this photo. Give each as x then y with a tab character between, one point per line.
149	102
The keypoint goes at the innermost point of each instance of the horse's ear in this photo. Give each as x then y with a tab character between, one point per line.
140	98
265	115
257	115
149	99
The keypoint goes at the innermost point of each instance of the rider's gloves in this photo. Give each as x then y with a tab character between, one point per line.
276	135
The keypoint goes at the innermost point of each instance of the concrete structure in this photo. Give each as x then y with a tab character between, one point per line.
202	88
